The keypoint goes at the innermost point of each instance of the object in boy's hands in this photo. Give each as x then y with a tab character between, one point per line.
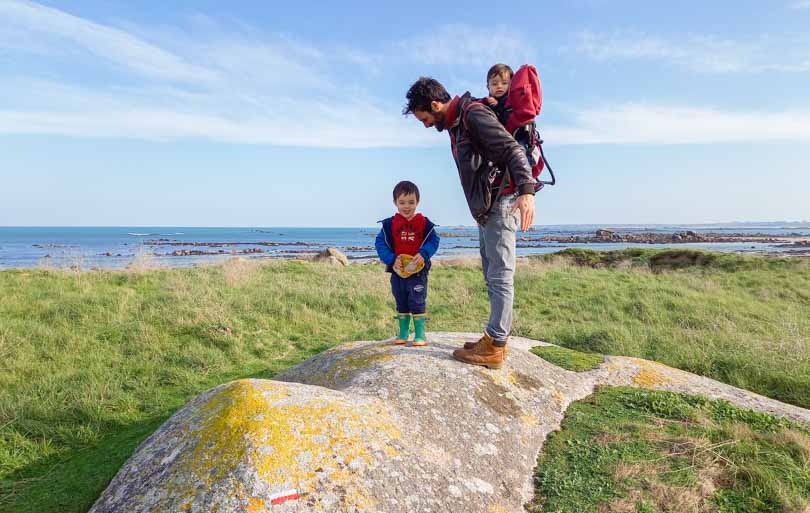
409	266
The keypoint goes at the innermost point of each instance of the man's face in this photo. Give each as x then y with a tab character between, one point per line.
406	205
431	119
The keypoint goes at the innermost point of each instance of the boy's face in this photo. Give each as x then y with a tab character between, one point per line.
406	205
498	85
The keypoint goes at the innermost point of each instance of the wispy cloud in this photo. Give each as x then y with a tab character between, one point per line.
241	86
64	32
460	44
235	86
701	53
168	114
662	124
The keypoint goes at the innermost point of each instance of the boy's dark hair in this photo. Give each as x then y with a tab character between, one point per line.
404	188
500	69
422	92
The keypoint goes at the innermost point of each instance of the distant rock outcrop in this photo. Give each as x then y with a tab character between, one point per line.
373	427
332	256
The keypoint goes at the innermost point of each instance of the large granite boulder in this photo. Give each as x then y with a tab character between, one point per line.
373	427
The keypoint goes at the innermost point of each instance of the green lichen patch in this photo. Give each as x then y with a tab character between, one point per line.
345	365
568	358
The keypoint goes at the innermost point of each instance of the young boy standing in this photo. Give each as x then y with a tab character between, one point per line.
406	243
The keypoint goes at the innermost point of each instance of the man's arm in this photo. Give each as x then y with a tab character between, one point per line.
500	147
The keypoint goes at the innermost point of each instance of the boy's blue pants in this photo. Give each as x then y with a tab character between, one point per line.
410	293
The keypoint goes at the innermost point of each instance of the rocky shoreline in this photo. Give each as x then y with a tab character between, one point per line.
793	244
605	236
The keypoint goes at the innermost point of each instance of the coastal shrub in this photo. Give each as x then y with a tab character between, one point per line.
671	259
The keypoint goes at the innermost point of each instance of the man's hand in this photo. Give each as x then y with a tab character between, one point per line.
490	100
525	203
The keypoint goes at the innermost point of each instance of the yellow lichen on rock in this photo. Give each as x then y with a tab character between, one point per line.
651	374
255	506
529	420
308	445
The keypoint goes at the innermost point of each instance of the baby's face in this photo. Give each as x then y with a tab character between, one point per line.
498	86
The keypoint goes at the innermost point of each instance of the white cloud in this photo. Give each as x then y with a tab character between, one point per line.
236	87
707	54
244	87
178	114
466	45
162	125
62	30
657	124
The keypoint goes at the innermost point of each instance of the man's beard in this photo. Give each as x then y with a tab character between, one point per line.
439	120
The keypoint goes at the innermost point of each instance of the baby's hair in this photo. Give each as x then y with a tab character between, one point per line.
499	70
404	188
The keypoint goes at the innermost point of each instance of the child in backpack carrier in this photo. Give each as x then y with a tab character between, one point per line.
499	77
406	243
499	82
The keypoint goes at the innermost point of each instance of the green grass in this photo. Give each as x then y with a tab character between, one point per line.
625	449
91	363
749	327
568	358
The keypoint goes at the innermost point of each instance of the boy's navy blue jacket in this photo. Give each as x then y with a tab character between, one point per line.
385	244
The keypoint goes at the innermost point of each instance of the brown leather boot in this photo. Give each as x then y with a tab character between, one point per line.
484	354
473	345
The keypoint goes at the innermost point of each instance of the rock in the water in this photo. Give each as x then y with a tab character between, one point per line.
332	256
373	427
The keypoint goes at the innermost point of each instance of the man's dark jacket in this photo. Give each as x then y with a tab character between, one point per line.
481	145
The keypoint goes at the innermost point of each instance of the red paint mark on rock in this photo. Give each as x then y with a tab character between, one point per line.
284	496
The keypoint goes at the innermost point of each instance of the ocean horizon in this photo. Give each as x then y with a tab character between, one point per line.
117	247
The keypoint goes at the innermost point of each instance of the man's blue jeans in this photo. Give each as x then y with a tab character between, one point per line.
497	241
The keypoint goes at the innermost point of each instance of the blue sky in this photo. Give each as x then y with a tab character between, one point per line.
198	113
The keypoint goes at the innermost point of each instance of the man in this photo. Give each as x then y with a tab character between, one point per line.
481	147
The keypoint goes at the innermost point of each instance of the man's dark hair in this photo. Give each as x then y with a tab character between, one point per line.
404	188
499	70
422	92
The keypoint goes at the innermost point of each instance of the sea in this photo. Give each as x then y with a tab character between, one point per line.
122	247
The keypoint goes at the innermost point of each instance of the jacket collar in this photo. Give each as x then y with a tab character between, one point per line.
451	117
418	217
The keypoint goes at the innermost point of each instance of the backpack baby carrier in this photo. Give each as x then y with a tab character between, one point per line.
518	117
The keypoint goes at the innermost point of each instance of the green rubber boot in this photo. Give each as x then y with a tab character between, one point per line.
419	326
404	328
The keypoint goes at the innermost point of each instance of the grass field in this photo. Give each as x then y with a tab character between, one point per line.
630	450
92	362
